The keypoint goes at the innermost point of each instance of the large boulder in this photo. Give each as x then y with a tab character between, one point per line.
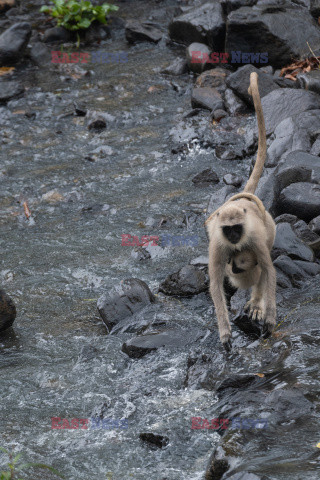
203	24
295	133
139	346
142	32
13	43
124	300
286	242
285	102
239	82
186	282
301	199
206	97
273	29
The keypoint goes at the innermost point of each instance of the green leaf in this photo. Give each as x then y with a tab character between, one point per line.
16	458
4	450
45	9
85	23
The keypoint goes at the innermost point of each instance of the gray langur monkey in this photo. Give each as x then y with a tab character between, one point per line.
242	232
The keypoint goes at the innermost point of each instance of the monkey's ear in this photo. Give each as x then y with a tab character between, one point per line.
245	210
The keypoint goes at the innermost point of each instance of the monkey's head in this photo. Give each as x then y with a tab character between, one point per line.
232	220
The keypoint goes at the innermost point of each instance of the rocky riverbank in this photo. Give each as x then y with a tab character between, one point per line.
145	149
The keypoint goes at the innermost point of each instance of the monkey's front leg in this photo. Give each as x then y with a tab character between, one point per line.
216	274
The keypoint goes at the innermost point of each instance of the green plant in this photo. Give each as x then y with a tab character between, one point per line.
76	15
14	467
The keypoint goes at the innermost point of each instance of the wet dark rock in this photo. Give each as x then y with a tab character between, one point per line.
205	178
288	405
315	150
310	268
202	373
315	8
141	345
297	167
192	113
230	5
240	80
302	199
7	311
13	43
234	104
195	53
219	114
142	32
217	466
231	179
9	90
282	279
58	35
208	98
285	102
267	69
305	233
294	133
156	440
229	152
265	28
309	81
80	110
286	242
124	300
97	124
204	24
237	382
177	67
286	218
96	32
40	54
95	208
186	282
315	225
291	269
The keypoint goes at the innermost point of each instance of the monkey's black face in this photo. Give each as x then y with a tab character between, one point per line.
233	233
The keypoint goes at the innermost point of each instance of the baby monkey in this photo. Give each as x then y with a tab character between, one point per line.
241	236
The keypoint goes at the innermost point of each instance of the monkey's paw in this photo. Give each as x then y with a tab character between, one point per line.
267	329
226	342
255	311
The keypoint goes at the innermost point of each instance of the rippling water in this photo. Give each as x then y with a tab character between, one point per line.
60	362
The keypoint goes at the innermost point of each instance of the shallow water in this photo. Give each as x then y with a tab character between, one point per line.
61	362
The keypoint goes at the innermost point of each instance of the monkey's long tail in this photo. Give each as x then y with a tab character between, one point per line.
262	143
